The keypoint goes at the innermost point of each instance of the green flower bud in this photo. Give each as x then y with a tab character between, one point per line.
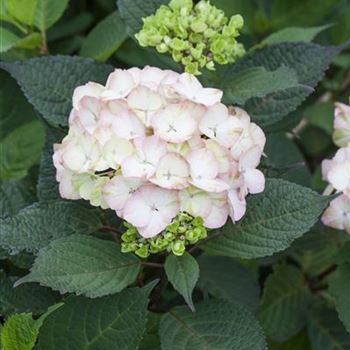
195	38
142	251
178	44
177	56
197	221
129	236
236	22
168	236
210	65
198	26
173	226
128	247
162	48
177	5
178	247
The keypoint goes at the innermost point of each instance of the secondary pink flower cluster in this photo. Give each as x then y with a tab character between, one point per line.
152	143
337	172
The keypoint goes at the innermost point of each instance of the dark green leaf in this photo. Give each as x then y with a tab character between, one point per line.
326	331
339	287
274	219
227	279
83	265
105	38
132	12
55	79
183	273
215	325
14	195
27	298
47	187
35	226
114	322
284	302
294	34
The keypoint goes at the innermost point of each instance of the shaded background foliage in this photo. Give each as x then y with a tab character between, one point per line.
251	289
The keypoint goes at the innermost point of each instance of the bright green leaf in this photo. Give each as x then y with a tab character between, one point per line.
105	38
35	226
56	78
214	325
47	12
284	302
228	280
8	39
113	322
326	332
339	287
294	34
20	331
83	265
274	219
21	10
30	41
183	272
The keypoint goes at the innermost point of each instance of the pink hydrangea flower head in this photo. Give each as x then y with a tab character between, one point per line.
160	149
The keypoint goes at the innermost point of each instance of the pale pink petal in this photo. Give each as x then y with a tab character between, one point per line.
90	89
210	185
254	179
219	212
118	190
237	205
339	176
174	123
203	164
119	84
172	172
137	211
195	202
116	150
250	159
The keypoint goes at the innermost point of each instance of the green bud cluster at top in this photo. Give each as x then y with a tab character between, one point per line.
184	230
197	36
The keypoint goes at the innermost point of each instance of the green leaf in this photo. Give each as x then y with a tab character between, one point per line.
15	110
113	322
339	287
294	34
183	272
298	342
316	250
326	331
27	298
14	195
47	12
47	187
83	265
214	325
274	219
284	302
321	115
8	39
56	77
30	41
21	10
286	160
20	331
132	12
228	280
308	60
150	339
21	149
259	82
105	38
35	226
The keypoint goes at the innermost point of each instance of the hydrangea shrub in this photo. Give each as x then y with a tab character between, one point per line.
174	175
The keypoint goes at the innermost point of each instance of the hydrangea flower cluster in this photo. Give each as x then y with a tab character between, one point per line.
155	146
197	36
337	172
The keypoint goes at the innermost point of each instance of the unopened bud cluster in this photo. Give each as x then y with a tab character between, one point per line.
184	230
197	36
336	171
